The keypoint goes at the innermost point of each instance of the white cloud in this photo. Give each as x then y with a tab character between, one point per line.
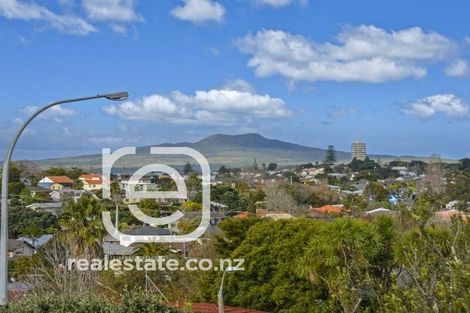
56	113
111	10
240	85
341	111
278	3
458	68
105	140
29	11
119	29
361	54
199	11
447	104
18	121
216	106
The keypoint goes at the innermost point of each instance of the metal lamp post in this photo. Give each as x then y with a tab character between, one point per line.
4	212
220	294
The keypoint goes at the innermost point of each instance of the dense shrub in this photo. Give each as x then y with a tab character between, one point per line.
132	303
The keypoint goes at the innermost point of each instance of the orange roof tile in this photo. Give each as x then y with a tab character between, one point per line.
243	214
91	176
328	209
93	181
450	214
60	179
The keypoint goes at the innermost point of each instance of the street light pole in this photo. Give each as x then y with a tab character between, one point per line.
6	164
220	294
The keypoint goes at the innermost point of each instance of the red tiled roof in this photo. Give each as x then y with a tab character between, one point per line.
449	214
60	179
261	212
93	181
90	176
243	214
328	209
212	308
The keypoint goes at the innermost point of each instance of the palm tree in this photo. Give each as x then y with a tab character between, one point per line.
340	257
81	222
152	249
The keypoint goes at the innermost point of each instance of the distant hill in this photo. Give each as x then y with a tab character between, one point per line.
220	149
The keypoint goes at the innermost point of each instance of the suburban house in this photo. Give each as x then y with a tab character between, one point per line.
91	181
112	248
56	182
69	194
36	190
37	242
19	248
243	214
446	216
328	209
54	208
263	213
380	211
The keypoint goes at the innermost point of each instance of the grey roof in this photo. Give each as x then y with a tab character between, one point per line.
38	189
19	286
149	231
45	205
116	249
15	243
38	242
109	238
218	204
380	211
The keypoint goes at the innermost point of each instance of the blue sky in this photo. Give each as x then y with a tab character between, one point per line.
394	74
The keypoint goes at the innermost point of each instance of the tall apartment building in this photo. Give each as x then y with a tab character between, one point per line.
358	150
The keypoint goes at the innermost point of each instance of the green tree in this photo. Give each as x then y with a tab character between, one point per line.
82	222
150	207
74	173
354	203
77	184
272	167
229	196
188	168
340	259
459	186
376	191
269	282
20	218
55	171
191	206
152	249
234	231
32	231
330	157
435	264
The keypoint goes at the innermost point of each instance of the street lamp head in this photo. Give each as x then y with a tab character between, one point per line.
117	96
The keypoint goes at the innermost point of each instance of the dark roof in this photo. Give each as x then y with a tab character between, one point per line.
15	243
38	189
45	205
149	231
38	242
115	249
